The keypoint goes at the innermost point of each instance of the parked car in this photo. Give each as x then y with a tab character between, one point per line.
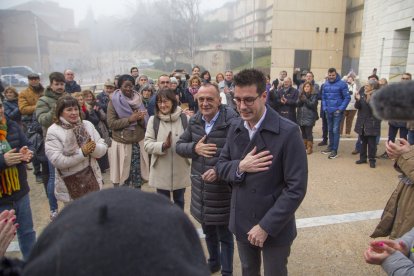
13	80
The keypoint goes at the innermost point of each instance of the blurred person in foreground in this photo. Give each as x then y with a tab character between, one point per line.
85	239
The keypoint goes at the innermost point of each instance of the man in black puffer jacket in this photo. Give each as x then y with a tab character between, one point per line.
203	141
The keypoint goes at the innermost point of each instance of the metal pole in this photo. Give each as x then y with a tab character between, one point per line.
254	22
39	59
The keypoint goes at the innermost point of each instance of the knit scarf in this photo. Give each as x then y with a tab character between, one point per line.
124	106
368	95
9	177
193	91
81	134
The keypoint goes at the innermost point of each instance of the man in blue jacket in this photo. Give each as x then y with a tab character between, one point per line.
335	98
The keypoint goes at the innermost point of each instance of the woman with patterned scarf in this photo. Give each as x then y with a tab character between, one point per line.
126	118
71	145
14	189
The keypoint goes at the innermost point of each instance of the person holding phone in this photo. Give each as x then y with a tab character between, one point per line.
169	172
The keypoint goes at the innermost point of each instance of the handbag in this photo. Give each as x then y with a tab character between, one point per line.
81	183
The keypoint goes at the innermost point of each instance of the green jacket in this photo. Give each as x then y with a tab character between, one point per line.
45	108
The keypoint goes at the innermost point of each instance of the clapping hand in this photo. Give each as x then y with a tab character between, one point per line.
395	150
8	229
88	147
168	142
13	158
26	154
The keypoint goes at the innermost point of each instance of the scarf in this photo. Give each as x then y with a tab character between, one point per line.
193	91
124	106
368	95
81	134
9	177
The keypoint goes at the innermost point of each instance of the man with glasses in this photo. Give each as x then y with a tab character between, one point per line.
203	141
70	84
163	82
265	160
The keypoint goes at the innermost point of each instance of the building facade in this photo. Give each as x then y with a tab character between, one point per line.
307	35
387	39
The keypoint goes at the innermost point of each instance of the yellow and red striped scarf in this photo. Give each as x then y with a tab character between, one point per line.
9	177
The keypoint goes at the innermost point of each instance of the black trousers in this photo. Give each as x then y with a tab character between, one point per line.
370	143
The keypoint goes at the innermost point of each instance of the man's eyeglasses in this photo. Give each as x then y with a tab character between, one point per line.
403	78
248	101
164	82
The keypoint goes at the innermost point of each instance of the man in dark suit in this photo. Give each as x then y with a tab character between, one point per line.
265	161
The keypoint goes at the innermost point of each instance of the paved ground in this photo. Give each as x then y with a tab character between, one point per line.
327	244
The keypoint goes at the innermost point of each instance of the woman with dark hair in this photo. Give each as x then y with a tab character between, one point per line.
169	172
367	125
307	114
205	77
97	117
126	118
72	145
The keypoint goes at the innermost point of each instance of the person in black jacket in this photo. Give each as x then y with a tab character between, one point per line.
14	189
202	141
367	125
286	100
11	107
307	114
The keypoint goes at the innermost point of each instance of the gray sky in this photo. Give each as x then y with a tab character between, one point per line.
103	7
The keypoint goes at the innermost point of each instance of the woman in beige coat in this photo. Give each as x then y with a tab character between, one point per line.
72	144
169	172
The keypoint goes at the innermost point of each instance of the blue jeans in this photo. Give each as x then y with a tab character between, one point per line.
53	205
178	196
25	233
334	121
220	246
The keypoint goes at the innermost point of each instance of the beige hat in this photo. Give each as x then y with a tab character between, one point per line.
109	83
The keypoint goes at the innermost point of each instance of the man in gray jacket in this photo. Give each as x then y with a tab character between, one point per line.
203	141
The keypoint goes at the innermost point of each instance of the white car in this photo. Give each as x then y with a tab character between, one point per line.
13	80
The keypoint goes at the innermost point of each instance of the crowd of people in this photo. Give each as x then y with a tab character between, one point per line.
240	141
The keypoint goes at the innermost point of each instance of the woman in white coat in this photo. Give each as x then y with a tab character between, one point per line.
71	144
169	172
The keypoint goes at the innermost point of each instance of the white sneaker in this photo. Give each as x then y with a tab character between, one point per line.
53	214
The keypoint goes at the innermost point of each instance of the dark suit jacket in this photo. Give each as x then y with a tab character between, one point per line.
268	198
